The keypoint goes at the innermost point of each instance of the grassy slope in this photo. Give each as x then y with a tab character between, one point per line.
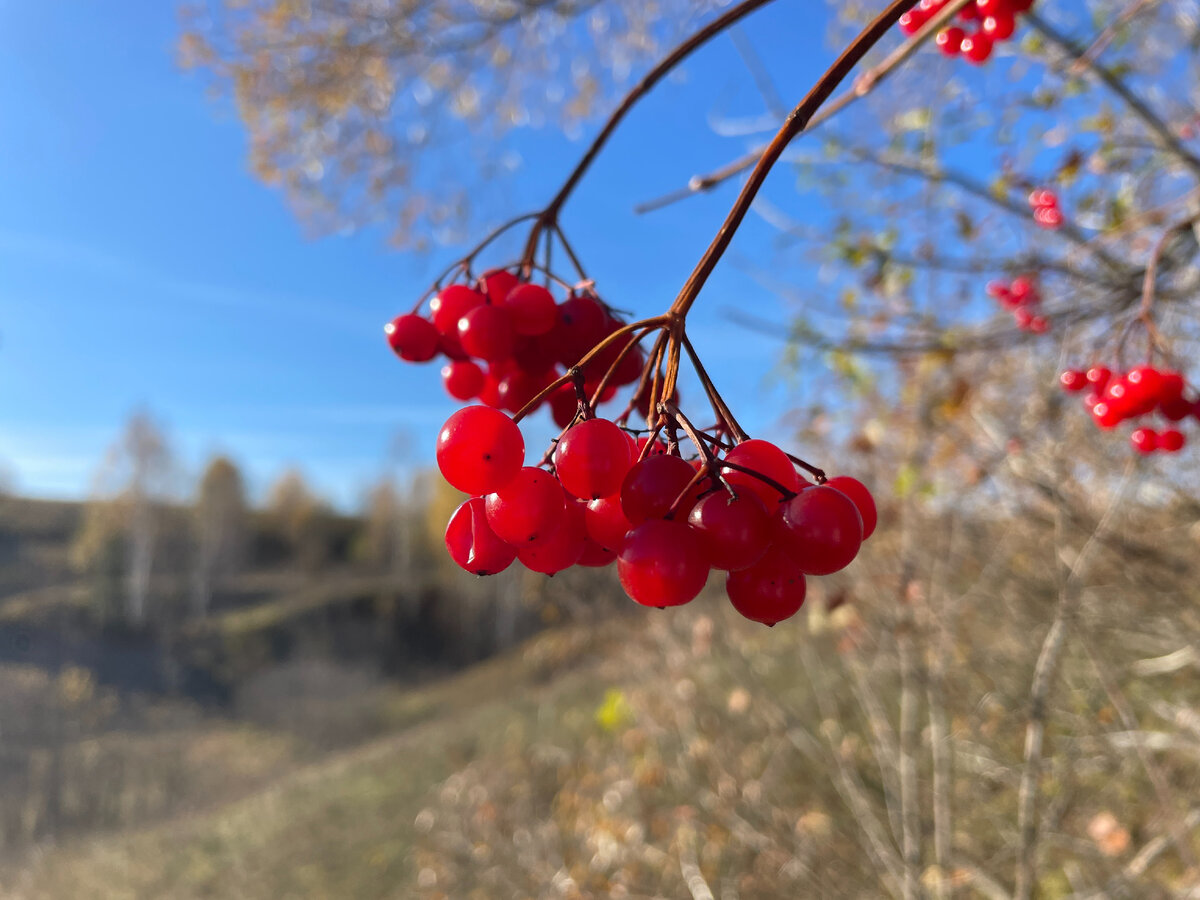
341	828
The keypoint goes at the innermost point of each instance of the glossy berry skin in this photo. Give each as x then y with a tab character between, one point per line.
994	7
999	27
1048	217
561	548
857	492
821	528
1144	440
977	47
591	459
767	459
1106	416
949	40
412	338
769	591
606	523
662	563
654	484
450	305
473	545
1098	377
582	323
532	309
480	450
462	379
594	556
1171	441
485	332
564	406
496	284
1073	380
518	387
735	532
911	22
529	507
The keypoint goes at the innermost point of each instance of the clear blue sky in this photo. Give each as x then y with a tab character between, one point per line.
141	266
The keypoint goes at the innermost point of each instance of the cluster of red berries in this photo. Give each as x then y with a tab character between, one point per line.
1046	213
991	20
1113	398
505	340
666	521
1021	295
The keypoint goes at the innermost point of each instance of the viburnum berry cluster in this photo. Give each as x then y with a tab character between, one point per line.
1046	213
1022	296
603	495
988	23
1116	397
505	338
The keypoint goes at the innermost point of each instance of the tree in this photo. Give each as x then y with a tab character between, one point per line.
298	516
351	106
120	529
219	522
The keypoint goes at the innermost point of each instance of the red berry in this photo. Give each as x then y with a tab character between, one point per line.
479	450
606	523
769	591
1073	380
654	484
472	543
1106	416
662	563
1042	197
1144	440
591	459
969	13
412	337
582	323
561	548
949	40
994	7
735	532
821	528
451	305
1171	441
530	506
516	388
1048	217
485	332
489	394
977	47
538	353
1023	290
1170	387
857	491
999	27
564	406
594	556
496	284
1098	377
1039	324
463	379
532	309
766	459
1175	410
911	22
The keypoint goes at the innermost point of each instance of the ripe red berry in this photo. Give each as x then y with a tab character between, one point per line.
594	556
977	47
472	543
462	379
1106	416
564	406
821	528
450	305
994	7
949	40
1048	217
1023	290
479	450
769	591
412	337
857	491
530	506
496	284
1098	377
653	485
662	563
485	332
911	22
582	323
591	459
735	532
766	459
999	27
606	523
1073	380
1038	324
1171	441
1144	440
532	309
1042	197
516	388
561	548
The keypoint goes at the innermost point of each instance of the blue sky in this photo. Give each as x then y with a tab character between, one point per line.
142	266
